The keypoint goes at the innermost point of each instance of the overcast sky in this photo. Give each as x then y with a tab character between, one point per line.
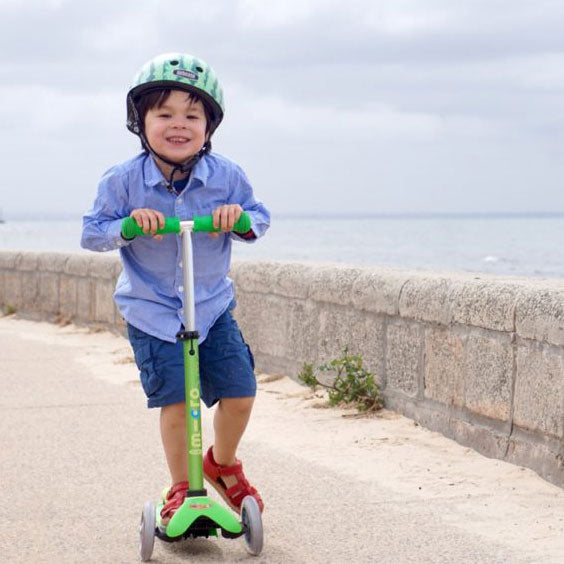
372	106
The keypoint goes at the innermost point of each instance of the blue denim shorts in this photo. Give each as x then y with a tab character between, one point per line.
226	365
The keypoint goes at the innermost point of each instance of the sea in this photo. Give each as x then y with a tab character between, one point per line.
501	244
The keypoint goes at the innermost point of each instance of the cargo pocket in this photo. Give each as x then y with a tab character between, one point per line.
150	380
251	355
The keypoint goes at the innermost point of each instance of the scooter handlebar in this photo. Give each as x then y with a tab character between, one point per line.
130	228
205	223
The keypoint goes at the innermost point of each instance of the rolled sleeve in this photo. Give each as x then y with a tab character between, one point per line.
115	240
101	225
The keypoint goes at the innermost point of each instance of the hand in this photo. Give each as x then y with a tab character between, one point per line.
149	220
225	217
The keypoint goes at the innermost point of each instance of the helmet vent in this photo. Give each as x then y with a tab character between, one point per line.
175	62
199	69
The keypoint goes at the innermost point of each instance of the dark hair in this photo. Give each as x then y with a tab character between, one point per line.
156	98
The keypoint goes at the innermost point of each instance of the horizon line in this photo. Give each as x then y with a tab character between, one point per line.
342	215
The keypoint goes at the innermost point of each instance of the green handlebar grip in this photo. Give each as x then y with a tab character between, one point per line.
130	229
205	223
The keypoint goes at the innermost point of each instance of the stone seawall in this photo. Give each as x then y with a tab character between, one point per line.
476	357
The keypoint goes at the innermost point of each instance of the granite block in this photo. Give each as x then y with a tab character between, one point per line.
488	374
49	292
539	388
444	366
378	290
104	301
540	315
403	357
360	332
68	296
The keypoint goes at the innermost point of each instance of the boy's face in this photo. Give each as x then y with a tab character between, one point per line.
177	129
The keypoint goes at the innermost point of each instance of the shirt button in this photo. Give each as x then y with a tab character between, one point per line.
104	248
181	288
180	264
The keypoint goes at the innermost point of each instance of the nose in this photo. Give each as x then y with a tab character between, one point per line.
179	122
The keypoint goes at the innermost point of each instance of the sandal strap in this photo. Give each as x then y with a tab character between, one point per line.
178	487
240	487
237	492
175	497
234	469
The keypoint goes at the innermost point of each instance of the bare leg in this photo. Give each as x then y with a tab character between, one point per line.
230	421
173	434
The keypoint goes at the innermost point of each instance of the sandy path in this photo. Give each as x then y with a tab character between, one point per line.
80	454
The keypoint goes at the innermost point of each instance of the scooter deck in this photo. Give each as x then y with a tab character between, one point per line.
199	516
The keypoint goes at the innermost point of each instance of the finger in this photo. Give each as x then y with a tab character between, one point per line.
145	225
232	212
214	235
154	219
158	237
215	214
161	219
225	218
137	217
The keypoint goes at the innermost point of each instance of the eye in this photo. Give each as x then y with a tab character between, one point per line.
164	115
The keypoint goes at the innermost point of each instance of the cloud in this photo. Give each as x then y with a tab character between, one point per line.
398	103
46	110
325	121
269	14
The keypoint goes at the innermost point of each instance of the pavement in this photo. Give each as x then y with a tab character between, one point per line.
80	454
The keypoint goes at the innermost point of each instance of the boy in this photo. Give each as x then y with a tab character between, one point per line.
174	106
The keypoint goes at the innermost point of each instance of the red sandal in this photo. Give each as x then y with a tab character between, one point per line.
234	495
174	498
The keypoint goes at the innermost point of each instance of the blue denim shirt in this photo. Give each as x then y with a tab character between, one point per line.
149	292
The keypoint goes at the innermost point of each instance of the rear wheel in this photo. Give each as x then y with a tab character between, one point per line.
252	522
147	531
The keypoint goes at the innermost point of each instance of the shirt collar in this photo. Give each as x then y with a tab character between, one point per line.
154	177
201	170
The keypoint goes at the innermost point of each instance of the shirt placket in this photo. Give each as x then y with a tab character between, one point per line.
180	211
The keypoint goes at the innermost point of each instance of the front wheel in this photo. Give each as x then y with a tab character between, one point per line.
147	531
252	522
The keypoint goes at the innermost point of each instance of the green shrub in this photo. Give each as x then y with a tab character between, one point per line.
352	384
8	309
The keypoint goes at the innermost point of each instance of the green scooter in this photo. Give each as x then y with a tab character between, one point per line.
199	515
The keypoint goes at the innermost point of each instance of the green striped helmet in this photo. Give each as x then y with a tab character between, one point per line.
178	71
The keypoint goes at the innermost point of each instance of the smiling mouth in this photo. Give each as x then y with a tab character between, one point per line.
178	140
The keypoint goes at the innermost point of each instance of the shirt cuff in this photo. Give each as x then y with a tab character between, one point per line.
114	237
249	237
250	234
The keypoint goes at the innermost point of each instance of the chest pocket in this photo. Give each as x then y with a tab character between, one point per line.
203	200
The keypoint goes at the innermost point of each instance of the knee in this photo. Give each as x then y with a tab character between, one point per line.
174	415
237	407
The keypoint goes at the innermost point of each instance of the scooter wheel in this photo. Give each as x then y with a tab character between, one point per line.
147	531
252	521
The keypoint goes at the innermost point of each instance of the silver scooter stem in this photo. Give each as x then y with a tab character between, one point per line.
188	276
